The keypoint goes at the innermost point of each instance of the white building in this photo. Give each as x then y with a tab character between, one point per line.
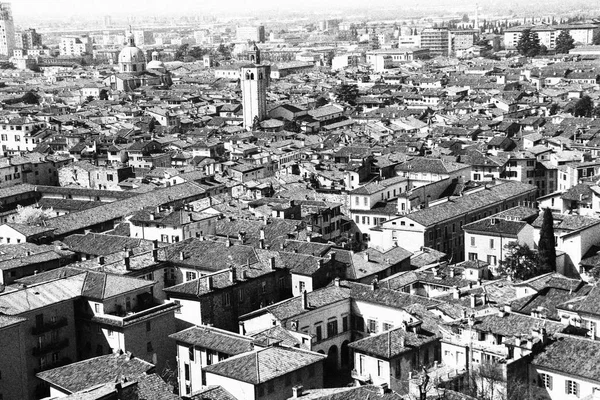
75	46
254	82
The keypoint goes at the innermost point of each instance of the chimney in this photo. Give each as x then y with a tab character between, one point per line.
332	256
228	242
336	282
451	272
209	283
456	293
101	260
374	284
366	256
181	255
320	263
262	233
242	328
232	276
484	299
127	261
383	389
402	341
244	274
304	299
155	244
297	391
261	243
473	299
151	216
155	255
272	263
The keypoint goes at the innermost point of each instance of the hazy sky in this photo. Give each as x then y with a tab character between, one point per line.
56	8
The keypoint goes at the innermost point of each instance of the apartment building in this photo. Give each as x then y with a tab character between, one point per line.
21	134
75	46
437	40
440	225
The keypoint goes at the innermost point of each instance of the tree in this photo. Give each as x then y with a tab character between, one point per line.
197	52
103	94
152	125
553	109
564	42
181	52
347	93
546	245
596	38
529	43
31	215
520	262
583	107
465	18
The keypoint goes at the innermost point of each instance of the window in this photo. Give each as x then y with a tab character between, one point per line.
492	260
319	333
332	328
571	387
398	369
379	368
148	326
109	332
186	372
473	256
190	276
226	299
372	325
191	353
472	240
387	326
301	286
241	295
491	243
344	323
149	347
97	308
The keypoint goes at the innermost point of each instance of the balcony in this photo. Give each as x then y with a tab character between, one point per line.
50	347
49	326
121	318
363	377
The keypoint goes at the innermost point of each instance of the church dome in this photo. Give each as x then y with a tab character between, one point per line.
131	58
156	64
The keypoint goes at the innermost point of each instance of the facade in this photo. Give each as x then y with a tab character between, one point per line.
28	39
75	46
437	40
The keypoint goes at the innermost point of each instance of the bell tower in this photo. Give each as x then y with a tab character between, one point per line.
254	80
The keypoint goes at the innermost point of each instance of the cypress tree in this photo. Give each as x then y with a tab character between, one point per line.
546	246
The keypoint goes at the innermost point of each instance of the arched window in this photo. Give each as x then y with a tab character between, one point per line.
247	75
252	76
260	75
134	68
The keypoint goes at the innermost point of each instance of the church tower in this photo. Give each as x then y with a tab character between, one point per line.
254	80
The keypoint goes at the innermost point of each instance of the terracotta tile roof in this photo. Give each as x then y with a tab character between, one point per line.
95	371
571	356
265	364
214	339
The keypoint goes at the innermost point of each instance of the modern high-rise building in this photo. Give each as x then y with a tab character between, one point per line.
28	39
437	40
76	46
254	82
251	33
7	30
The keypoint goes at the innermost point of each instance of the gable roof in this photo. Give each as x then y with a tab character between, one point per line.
265	364
95	371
